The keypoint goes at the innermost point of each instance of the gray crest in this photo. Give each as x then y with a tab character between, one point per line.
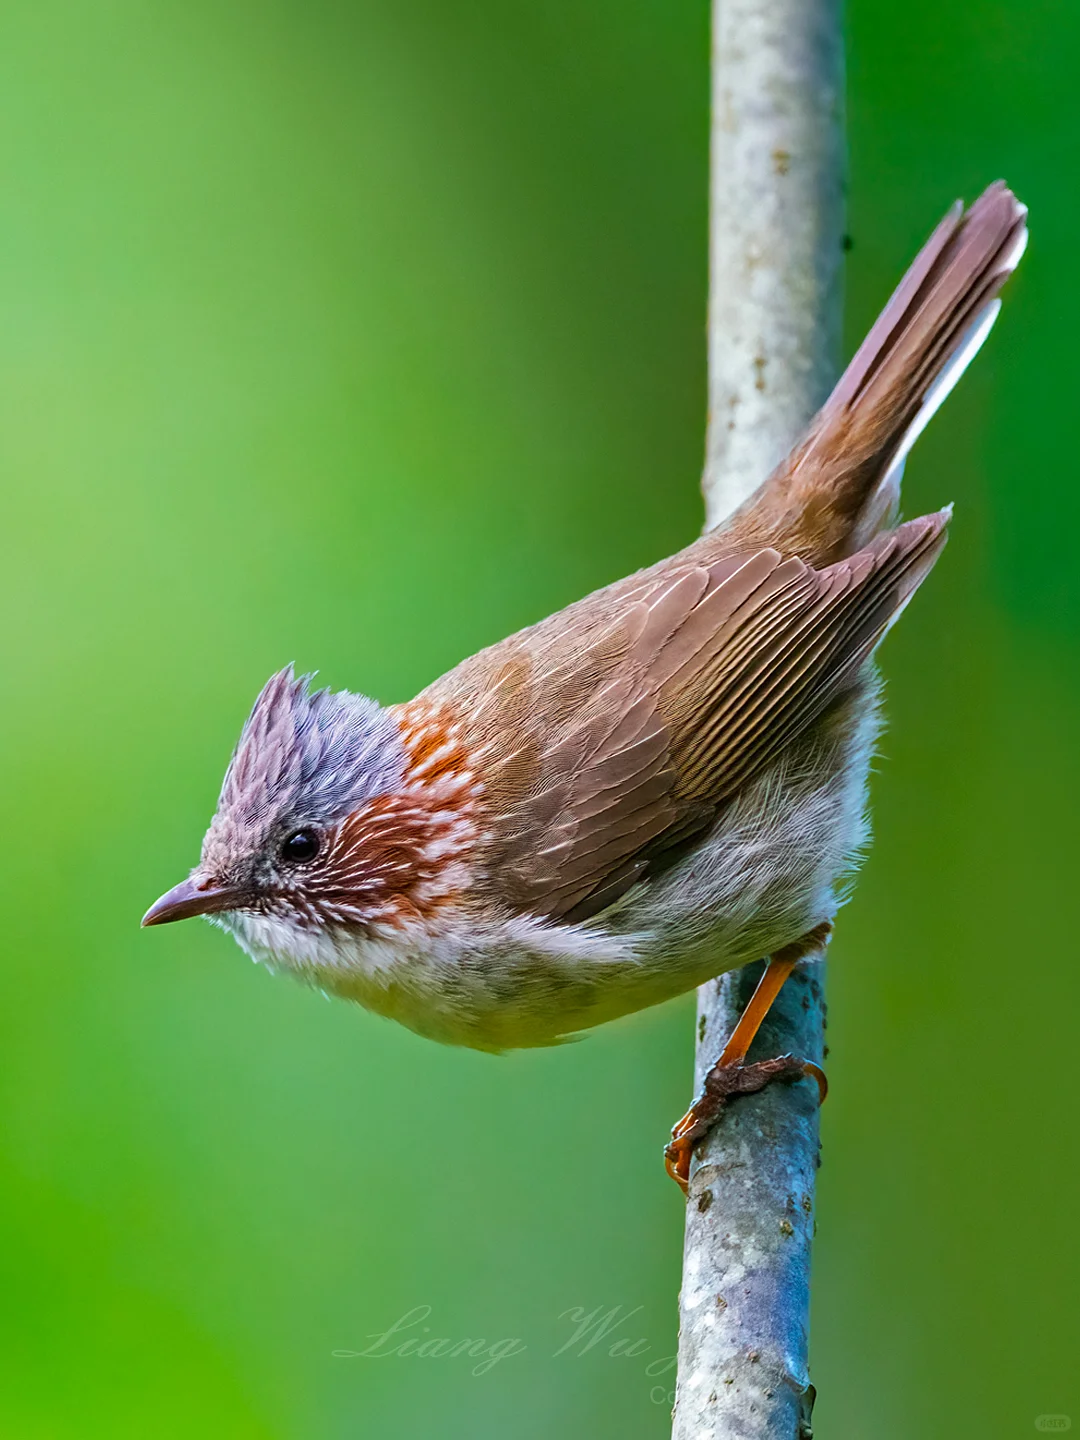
316	756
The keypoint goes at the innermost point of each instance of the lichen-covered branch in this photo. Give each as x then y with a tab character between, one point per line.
774	316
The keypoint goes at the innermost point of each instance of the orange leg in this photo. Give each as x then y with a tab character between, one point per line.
730	1076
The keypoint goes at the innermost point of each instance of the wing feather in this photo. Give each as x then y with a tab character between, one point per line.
616	730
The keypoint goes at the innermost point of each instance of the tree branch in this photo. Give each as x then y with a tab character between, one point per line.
774	319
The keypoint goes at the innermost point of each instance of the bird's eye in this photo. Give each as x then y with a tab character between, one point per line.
300	847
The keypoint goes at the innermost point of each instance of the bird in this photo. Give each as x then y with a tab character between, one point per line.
663	782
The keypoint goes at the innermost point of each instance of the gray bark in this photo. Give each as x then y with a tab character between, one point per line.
774	319
776	232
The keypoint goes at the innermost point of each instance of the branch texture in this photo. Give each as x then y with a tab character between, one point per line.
774	320
776	234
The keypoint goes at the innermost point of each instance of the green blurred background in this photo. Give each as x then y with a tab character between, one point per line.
359	334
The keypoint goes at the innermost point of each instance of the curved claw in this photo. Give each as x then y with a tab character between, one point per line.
725	1082
816	1072
677	1155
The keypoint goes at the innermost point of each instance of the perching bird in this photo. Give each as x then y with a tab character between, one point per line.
663	782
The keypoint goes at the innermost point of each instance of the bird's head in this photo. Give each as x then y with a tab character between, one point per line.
322	822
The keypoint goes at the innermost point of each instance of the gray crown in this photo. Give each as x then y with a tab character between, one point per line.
317	756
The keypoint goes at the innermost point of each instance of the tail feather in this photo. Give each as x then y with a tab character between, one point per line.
841	484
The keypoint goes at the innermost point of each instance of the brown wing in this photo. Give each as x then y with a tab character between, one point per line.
616	729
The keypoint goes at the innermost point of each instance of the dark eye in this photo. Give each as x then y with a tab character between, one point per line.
300	847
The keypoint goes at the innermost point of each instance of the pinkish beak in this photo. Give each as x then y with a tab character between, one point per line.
194	896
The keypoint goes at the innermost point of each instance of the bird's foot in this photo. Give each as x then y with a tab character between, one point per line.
724	1083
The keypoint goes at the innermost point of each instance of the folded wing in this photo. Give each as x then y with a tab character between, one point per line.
619	732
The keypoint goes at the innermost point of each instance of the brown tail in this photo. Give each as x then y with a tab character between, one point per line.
841	484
